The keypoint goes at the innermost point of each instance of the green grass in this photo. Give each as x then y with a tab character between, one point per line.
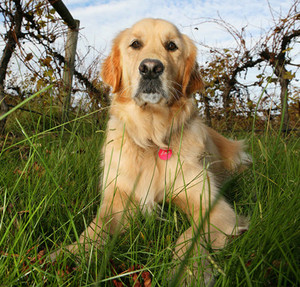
49	192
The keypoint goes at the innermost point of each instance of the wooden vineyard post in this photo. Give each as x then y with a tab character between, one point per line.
70	52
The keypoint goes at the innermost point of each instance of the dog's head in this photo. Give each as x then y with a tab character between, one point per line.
152	63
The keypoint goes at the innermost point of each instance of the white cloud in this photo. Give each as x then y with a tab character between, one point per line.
102	20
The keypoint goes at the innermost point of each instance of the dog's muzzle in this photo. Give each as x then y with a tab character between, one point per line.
150	88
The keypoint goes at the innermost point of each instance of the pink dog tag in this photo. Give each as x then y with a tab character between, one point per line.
165	154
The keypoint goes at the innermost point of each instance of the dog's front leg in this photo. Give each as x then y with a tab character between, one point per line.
190	254
111	218
196	269
212	220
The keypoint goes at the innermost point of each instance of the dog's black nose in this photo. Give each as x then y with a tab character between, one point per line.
151	68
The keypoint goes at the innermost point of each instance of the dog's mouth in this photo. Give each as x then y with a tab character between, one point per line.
150	91
151	98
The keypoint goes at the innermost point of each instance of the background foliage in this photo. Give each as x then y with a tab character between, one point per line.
236	77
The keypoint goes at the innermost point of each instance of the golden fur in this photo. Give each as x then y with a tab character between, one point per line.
141	123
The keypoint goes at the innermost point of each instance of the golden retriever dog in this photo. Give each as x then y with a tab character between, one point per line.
157	148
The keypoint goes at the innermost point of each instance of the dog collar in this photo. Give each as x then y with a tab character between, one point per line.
164	154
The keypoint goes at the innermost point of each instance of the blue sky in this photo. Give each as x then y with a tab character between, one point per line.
102	20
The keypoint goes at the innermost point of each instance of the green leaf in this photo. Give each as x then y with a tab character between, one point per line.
289	75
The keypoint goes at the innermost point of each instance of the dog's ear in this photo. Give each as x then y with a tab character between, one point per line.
192	80
111	70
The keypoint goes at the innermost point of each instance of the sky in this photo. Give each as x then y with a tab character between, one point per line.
101	20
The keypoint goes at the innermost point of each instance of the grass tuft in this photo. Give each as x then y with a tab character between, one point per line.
49	193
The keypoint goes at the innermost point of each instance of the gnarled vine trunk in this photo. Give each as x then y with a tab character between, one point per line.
13	35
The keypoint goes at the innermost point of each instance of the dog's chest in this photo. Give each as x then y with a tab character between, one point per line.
144	172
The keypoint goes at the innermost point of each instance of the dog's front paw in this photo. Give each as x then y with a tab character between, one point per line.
72	248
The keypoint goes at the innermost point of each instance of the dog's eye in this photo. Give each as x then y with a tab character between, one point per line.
136	45
171	46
